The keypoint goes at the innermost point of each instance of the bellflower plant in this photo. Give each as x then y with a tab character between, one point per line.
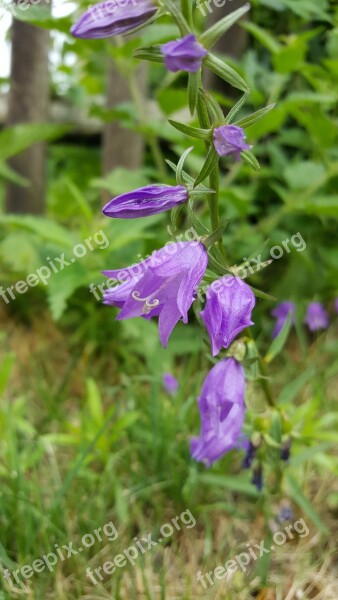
111	18
222	410
185	54
166	288
168	282
146	201
316	317
227	311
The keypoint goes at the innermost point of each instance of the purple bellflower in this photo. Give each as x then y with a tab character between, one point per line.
227	311
113	17
146	201
230	140
316	317
222	411
185	54
164	285
281	312
170	383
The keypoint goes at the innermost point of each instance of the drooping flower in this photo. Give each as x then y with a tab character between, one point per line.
316	317
164	286
185	54
146	201
281	312
227	311
170	383
113	17
222	411
230	140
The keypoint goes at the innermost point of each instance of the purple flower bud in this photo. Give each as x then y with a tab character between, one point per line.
145	201
257	478
222	411
164	285
281	312
227	311
170	383
285	451
316	317
230	140
249	457
185	54
113	17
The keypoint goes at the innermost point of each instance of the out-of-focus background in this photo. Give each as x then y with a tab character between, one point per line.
88	433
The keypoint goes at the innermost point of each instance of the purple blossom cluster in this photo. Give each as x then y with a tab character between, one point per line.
316	317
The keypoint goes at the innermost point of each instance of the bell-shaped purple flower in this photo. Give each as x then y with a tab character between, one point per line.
170	383
164	285
222	412
230	140
185	54
316	317
113	17
281	312
227	311
146	201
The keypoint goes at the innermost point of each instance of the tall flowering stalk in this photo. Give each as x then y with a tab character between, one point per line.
167	283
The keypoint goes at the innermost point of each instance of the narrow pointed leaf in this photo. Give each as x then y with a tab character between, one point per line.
235	109
195	132
250	160
209	165
213	34
194	82
216	235
152	53
227	73
256	116
279	341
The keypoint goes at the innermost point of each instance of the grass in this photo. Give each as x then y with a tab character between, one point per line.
85	443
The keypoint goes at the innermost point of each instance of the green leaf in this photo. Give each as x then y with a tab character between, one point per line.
152	53
298	496
216	235
211	162
264	37
20	137
226	73
178	17
194	82
195	132
233	484
213	34
233	112
254	117
278	343
9	174
250	160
